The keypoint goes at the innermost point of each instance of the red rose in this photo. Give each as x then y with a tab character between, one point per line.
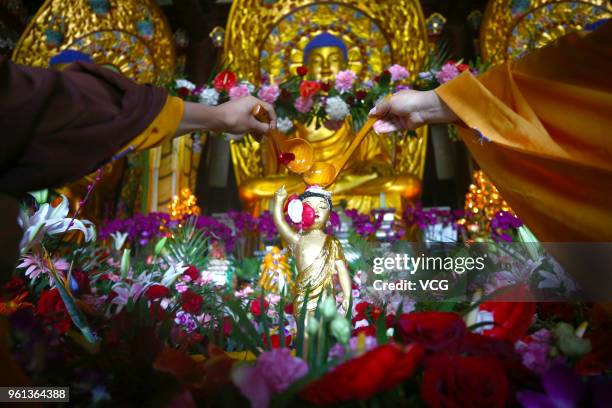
512	313
156	312
256	306
454	381
289	308
326	86
309	88
182	92
435	331
155	292
361	94
192	272
301	71
378	370
463	67
286	158
225	80
52	310
191	302
366	310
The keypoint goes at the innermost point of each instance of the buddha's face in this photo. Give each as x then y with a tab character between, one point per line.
325	62
321	210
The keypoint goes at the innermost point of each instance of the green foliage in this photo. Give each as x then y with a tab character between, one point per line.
247	268
188	245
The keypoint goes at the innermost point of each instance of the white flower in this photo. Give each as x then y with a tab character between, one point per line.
284	124
336	108
119	239
183	83
51	221
209	96
295	210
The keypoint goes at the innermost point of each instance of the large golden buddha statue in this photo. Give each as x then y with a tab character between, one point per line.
328	38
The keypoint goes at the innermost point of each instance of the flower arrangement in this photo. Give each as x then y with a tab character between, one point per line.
131	329
302	99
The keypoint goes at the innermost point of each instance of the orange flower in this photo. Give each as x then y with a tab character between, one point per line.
16	303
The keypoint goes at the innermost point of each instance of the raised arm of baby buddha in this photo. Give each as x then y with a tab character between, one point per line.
286	232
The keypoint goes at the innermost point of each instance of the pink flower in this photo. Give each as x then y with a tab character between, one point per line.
273	373
345	80
269	93
447	72
398	72
534	351
304	105
181	287
239	91
35	266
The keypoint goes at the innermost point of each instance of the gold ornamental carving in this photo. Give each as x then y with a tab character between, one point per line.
266	37
131	36
512	27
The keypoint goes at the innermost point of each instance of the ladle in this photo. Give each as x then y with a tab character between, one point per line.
301	149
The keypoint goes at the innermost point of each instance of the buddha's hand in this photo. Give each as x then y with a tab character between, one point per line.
409	110
236	116
345	304
281	194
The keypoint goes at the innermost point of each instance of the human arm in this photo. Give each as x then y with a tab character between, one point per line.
345	282
285	230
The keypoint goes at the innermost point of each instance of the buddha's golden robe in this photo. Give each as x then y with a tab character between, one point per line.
317	277
547	119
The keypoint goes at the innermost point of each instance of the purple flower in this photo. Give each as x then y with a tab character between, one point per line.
535	353
266	225
502	223
447	72
563	388
239	91
186	320
273	373
303	105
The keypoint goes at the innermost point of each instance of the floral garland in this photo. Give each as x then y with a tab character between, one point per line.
305	100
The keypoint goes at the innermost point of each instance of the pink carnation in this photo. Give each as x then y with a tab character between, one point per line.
304	105
398	72
345	80
239	91
447	72
269	93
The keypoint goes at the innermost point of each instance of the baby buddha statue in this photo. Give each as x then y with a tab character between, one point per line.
367	176
318	256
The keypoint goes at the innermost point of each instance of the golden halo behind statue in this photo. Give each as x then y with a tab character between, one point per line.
513	27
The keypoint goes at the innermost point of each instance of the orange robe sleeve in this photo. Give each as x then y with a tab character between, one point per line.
541	128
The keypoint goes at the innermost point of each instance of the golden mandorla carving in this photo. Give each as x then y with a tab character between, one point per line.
267	40
270	36
512	27
129	35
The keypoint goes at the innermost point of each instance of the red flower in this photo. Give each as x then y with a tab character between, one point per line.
256	306
454	381
289	308
326	86
380	369
286	158
361	94
155	292
308	215
301	71
463	67
52	310
435	331
512	314
275	340
82	280
366	310
192	272
309	88
182	92
225	80
13	286
285	95
191	302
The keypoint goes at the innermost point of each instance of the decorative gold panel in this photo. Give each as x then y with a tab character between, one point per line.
513	27
268	37
129	35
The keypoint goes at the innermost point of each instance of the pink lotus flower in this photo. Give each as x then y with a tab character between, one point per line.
304	105
398	72
447	72
269	93
345	80
239	91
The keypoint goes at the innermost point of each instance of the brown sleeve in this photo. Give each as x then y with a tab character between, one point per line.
59	126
